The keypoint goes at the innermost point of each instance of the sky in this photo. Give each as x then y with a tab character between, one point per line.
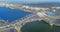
29	1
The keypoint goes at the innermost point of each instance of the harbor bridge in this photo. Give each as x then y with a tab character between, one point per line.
38	14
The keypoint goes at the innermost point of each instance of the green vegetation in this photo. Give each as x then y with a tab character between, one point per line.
39	26
36	26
